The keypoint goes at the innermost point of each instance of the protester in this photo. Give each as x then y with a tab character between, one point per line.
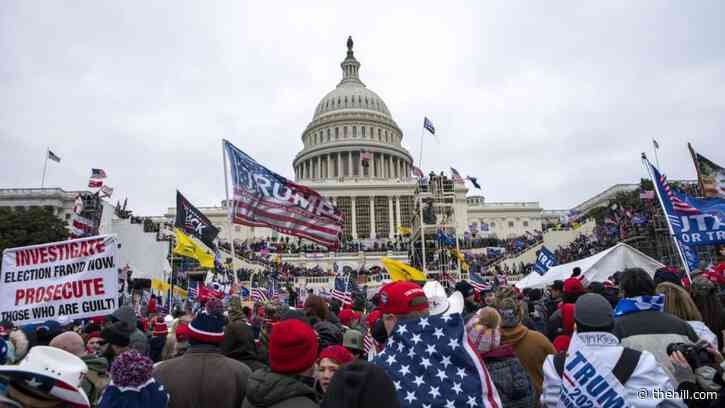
530	347
489	297
96	378
572	289
203	376
598	370
138	340
288	382
238	340
31	382
402	301
552	301
468	292
329	361
94	342
352	340
132	384
117	338
561	342
679	303
705	295
158	339
642	325
360	385
508	375
349	318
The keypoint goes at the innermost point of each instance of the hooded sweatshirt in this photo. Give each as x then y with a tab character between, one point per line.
266	389
239	344
97	377
139	342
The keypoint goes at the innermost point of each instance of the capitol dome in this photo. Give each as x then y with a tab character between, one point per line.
352	134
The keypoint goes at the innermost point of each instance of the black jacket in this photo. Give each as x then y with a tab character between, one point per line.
239	345
266	389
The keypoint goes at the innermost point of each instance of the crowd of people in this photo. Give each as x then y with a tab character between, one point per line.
574	344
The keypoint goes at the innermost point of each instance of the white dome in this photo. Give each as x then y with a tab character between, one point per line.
351	95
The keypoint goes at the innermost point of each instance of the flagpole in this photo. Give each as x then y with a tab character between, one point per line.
45	167
697	169
420	156
229	209
171	294
686	266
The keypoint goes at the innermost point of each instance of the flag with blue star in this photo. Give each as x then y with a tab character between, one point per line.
432	364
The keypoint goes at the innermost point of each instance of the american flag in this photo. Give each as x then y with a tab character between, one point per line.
98	174
263	198
343	289
193	292
432	364
478	283
428	125
274	293
259	295
672	196
369	343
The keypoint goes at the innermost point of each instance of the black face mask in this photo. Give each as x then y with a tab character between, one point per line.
378	331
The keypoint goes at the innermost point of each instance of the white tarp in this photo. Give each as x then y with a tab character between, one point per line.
596	268
140	250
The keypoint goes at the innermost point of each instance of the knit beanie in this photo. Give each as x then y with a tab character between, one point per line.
292	347
208	325
117	334
69	341
360	385
131	369
339	354
132	384
508	307
160	328
348	315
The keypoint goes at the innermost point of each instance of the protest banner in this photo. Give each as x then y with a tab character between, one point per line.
60	281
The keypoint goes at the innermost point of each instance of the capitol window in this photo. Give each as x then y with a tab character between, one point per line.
344	132
526	223
379	135
354	131
511	224
363	131
337	133
328	134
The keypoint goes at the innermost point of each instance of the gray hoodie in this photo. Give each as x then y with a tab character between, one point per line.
139	342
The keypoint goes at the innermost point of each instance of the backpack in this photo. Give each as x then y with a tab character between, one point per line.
622	370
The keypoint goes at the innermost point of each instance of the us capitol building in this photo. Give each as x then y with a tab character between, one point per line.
353	153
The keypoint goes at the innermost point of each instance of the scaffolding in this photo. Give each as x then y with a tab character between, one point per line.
434	239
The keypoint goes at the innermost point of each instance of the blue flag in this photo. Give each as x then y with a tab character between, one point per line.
544	261
474	181
694	221
432	364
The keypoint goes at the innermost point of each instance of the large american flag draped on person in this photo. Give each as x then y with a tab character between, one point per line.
432	364
263	198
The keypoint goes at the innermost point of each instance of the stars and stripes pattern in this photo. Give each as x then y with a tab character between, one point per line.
678	204
98	174
369	343
259	295
193	292
428	125
478	283
432	364
263	198
343	289
456	175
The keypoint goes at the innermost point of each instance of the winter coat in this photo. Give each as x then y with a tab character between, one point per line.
203	378
598	353
531	348
329	333
511	379
156	346
652	331
266	389
97	377
239	344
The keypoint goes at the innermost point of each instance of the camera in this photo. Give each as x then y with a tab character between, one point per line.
696	354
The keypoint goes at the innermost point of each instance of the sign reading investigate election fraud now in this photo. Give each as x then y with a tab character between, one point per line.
61	281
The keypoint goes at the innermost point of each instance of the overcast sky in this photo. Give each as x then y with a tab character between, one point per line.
547	101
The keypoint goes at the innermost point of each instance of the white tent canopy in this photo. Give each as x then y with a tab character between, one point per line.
596	268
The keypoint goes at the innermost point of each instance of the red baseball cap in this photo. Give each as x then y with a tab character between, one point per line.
373	317
347	315
402	297
573	285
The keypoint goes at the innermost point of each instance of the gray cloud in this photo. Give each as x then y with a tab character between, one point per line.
541	101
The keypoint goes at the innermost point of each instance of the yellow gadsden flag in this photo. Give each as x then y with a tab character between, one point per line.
399	271
185	246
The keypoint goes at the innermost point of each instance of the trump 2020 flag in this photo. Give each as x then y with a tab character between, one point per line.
544	261
432	364
263	198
